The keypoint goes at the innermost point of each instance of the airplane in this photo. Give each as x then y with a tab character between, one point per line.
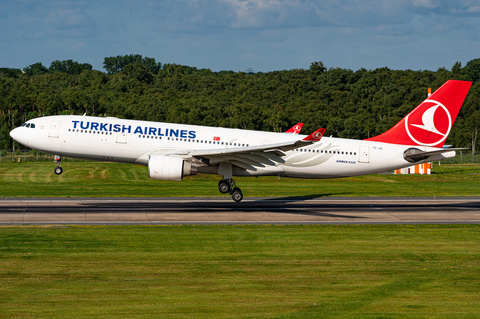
173	151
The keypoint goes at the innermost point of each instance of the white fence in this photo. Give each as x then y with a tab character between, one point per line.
27	155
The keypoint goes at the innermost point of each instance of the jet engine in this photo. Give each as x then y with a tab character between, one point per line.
169	168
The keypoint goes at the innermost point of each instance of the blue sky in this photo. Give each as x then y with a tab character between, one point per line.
235	34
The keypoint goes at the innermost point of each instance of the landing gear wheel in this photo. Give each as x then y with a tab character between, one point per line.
58	170
237	195
223	186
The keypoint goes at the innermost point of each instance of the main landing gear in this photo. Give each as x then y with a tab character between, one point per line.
228	186
58	170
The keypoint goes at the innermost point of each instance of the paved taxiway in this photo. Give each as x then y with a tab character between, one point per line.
250	211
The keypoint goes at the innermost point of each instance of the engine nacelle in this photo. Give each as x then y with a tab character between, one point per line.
169	168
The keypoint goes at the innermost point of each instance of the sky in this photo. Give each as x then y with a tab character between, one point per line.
265	35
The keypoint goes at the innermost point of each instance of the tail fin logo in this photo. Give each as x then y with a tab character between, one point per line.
296	129
317	136
429	124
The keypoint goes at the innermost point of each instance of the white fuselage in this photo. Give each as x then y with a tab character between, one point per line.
131	141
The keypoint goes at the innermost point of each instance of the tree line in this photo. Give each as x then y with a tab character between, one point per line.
349	104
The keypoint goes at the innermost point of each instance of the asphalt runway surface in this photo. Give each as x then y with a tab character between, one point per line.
200	211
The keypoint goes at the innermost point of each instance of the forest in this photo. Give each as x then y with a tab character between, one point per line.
349	104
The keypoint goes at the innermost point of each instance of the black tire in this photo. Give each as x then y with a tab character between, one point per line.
223	187
58	170
237	195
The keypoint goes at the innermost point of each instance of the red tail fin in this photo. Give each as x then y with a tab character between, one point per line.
429	123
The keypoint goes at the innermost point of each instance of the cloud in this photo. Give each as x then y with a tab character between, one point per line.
204	32
79	45
217	15
40	19
430	4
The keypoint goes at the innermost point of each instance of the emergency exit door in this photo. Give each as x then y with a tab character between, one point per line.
54	129
364	154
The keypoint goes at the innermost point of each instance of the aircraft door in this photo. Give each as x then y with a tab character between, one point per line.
364	154
54	129
122	137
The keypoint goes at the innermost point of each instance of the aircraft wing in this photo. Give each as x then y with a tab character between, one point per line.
251	156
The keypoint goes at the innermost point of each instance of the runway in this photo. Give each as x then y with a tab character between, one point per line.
200	211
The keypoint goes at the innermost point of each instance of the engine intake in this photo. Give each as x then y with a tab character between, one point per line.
169	168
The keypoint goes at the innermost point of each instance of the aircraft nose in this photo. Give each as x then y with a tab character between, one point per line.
15	134
18	134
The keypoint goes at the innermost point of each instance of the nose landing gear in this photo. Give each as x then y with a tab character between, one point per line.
228	186
58	170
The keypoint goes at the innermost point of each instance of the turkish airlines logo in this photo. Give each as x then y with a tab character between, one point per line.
430	124
317	136
297	129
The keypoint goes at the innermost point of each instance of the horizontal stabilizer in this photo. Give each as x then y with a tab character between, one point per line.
415	155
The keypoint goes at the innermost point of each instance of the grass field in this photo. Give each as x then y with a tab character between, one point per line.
368	271
378	271
123	180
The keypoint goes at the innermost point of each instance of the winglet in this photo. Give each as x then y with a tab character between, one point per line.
315	136
295	129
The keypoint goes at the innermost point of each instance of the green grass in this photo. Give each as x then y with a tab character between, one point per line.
100	179
377	271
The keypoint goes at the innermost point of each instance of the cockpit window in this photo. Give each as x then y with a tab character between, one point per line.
30	125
